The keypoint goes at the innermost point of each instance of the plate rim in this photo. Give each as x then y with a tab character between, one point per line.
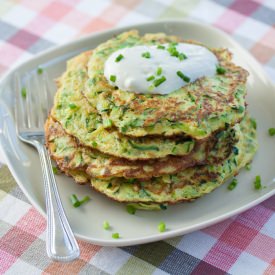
158	236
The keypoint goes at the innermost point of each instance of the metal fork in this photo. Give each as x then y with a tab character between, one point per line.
31	110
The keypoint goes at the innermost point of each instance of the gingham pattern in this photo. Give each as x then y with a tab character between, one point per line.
244	244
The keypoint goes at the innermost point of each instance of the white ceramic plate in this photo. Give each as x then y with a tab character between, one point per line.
87	220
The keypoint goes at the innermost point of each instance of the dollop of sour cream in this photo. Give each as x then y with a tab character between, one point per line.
159	69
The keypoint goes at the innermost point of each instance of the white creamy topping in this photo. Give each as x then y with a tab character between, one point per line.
134	72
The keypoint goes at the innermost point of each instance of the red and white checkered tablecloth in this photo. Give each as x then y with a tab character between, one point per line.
244	244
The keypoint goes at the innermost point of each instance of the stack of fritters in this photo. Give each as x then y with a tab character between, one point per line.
149	149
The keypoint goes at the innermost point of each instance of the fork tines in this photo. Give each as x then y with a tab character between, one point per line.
32	101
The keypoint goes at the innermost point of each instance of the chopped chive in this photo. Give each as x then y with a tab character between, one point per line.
241	109
174	43
173	51
271	131
131	209
136	122
75	201
159	81
174	150
124	129
113	78
220	70
119	57
24	92
150	78
94	143
248	166
106	225
143	147
107	123
160	47
258	183
72	106
85	199
55	170
131	180
159	71
161	227
182	56
146	55
183	76
151	88
92	81
163	206
115	235
232	184
235	150
254	123
39	71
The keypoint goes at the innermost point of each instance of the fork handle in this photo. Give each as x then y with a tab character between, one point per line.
61	244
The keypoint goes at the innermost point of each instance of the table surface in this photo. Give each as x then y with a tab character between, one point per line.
239	245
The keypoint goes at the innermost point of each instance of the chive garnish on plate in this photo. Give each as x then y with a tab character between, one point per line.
115	235
76	202
232	184
254	123
258	183
163	206
131	209
271	131
85	199
161	227
39	70
248	166
24	92
55	170
106	225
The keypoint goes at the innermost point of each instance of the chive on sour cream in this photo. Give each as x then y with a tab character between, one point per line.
159	69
